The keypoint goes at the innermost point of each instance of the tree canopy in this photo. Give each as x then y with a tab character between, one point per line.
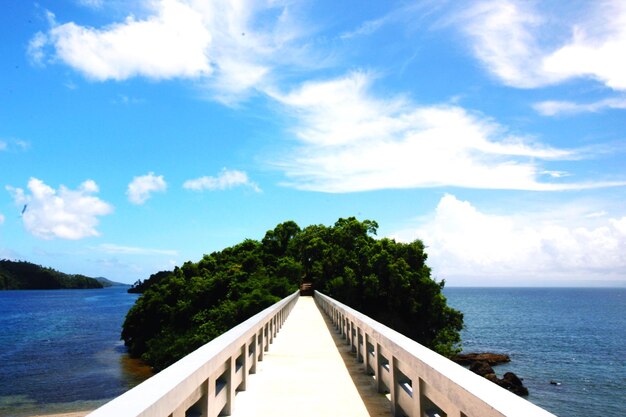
21	275
384	279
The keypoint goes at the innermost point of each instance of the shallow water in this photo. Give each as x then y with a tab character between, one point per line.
576	336
60	350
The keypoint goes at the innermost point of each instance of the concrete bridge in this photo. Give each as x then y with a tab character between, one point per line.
328	360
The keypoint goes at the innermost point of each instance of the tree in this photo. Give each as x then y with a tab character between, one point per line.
384	279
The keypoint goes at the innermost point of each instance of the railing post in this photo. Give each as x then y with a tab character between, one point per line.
209	404
246	360
393	387
230	386
378	369
416	386
270	332
255	355
261	344
360	345
366	353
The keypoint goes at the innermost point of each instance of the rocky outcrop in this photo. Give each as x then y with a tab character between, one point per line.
509	381
491	358
481	368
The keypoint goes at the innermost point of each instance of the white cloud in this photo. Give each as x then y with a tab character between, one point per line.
352	141
1	218
503	38
553	108
36	47
132	250
230	46
527	47
173	42
94	4
140	188
225	180
62	213
462	241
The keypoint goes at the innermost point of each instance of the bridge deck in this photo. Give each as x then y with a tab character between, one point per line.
308	371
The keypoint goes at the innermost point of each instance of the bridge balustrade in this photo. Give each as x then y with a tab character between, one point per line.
204	382
419	381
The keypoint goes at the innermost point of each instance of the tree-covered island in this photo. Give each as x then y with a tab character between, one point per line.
23	275
387	280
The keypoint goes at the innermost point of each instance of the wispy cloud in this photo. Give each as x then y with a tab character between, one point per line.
230	47
141	188
13	145
94	4
350	140
464	241
1	218
225	180
505	35
62	213
555	108
133	250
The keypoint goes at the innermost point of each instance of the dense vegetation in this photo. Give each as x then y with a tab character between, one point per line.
139	287
389	281
27	276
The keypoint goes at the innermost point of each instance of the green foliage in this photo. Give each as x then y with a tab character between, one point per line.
139	287
386	280
27	276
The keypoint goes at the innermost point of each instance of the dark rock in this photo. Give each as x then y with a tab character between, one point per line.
510	381
512	378
491	377
490	358
481	368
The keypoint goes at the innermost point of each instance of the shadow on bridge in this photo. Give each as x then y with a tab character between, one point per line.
377	404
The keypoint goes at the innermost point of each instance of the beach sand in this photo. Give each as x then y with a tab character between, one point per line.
73	414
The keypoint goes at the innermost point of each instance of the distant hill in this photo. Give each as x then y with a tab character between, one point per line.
108	283
27	276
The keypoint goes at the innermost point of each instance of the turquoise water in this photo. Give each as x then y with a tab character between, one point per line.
571	335
60	350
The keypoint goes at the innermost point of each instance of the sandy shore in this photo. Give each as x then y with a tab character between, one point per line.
74	414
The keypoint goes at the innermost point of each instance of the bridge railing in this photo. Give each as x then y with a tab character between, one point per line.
420	382
204	382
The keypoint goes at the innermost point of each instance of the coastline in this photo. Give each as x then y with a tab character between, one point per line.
72	414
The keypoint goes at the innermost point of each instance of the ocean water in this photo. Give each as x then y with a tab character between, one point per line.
575	336
60	350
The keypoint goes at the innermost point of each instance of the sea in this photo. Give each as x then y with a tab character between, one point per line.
60	349
573	337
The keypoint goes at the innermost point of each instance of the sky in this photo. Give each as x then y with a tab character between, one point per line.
138	135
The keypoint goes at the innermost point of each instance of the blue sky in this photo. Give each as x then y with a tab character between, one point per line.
143	134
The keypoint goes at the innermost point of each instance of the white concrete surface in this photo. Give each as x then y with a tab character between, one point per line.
303	374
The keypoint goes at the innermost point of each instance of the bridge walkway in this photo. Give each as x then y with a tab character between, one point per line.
309	371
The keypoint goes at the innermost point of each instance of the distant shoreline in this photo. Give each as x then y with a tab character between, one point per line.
72	414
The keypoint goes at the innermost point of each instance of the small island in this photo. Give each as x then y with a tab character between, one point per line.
389	281
22	275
